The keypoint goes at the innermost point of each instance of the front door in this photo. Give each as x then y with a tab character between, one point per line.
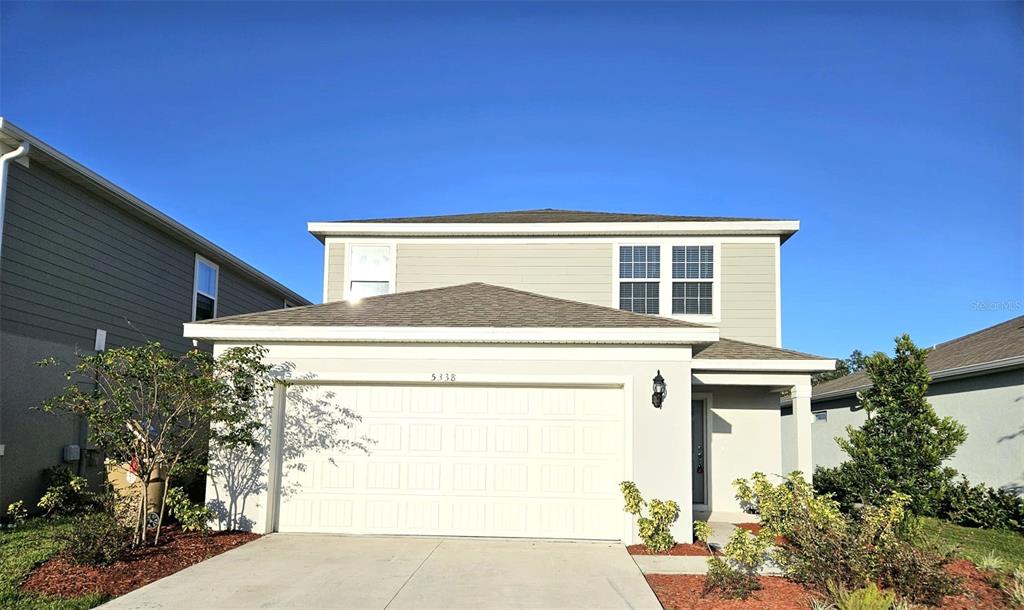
699	451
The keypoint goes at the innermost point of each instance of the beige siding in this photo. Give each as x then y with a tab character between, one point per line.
335	274
748	292
580	272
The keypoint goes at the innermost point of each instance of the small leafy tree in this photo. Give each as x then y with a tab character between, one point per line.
155	410
903	444
844	367
656	527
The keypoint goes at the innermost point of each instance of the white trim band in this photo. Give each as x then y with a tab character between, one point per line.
430	334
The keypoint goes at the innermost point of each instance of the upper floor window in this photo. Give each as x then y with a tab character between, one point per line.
687	285
639	262
204	294
370	271
693	263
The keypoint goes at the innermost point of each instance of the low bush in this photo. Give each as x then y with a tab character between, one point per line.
656	527
982	506
784	506
66	493
865	598
192	516
702	532
98	539
735	575
16	515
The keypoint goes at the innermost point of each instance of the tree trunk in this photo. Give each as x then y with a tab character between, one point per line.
145	509
163	507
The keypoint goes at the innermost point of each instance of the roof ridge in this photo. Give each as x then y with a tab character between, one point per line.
977	332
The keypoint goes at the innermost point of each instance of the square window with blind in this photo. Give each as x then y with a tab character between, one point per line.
204	295
639	262
693	263
370	271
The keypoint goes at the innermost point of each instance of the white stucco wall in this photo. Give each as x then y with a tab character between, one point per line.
991	407
660	455
745	437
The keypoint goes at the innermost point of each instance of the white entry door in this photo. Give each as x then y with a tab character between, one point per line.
460	460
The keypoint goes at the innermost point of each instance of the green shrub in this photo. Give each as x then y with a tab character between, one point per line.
702	532
982	506
16	513
872	546
192	516
735	575
865	598
66	493
782	506
656	528
98	539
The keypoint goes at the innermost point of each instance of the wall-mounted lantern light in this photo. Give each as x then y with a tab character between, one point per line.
660	391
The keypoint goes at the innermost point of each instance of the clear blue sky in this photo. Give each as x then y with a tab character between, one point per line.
893	132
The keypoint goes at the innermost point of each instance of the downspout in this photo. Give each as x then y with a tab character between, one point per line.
5	159
17	153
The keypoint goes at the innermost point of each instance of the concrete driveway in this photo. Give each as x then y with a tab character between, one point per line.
319	571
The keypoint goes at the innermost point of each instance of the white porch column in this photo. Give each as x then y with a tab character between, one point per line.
803	419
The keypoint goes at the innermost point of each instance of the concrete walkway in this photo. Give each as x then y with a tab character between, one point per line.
319	572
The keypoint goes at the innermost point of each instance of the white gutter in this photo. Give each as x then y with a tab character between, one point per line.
428	334
17	153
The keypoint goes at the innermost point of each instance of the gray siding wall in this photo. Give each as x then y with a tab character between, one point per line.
991	407
74	262
749	309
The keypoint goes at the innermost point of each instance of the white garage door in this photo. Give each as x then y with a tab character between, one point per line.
465	461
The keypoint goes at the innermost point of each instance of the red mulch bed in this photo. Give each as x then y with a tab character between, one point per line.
977	592
754	528
59	577
685	591
689	550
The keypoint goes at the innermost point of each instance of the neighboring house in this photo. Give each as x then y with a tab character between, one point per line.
504	370
977	379
83	265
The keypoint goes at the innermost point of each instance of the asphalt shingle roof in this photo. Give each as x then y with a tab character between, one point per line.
462	306
552	215
999	342
730	349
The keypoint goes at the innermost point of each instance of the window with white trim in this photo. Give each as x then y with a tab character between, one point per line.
693	263
370	270
820	416
204	293
639	262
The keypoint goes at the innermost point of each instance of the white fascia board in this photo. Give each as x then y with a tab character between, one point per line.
625	228
788	366
387	334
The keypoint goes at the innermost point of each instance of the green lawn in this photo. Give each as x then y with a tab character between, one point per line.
21	550
974	544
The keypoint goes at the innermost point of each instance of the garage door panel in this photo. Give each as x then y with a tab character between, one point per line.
453	460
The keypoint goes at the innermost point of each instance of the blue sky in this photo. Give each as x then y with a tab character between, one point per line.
893	132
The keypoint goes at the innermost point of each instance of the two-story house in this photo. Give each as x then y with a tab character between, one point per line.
513	368
85	265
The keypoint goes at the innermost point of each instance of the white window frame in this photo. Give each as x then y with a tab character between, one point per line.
816	415
195	284
666	280
392	275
